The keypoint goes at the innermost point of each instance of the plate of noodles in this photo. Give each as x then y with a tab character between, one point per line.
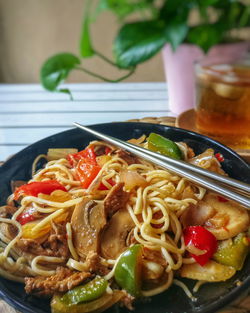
88	227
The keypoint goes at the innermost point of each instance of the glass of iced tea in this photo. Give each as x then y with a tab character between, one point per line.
223	101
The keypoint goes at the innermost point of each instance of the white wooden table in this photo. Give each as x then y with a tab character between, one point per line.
28	113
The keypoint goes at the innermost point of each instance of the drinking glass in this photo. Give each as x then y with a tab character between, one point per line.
223	101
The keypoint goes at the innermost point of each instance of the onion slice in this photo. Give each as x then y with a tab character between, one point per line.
192	249
132	179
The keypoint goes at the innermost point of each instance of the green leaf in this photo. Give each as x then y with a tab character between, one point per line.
223	4
176	33
67	91
56	69
137	42
205	36
174	8
86	49
123	8
174	14
207	3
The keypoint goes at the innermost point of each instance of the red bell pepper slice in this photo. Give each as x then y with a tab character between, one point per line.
202	239
86	166
86	172
107	150
26	216
88	154
34	188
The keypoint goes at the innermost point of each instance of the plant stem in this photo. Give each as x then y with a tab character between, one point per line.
88	7
105	59
104	78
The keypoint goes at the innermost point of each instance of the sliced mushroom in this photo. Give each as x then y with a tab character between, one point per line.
113	240
87	222
223	219
210	272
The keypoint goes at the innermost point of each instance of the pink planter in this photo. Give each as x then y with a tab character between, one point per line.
179	70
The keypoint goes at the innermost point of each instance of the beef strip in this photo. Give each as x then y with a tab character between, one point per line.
57	241
93	262
63	280
127	157
33	247
116	199
53	245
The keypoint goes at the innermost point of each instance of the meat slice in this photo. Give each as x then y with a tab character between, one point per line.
94	264
33	247
63	280
54	245
127	157
116	199
57	241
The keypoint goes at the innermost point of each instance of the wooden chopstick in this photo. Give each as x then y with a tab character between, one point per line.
228	187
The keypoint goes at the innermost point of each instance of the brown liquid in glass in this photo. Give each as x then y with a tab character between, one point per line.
223	105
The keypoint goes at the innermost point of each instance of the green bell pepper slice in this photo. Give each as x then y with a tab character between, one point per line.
233	252
85	293
128	270
158	143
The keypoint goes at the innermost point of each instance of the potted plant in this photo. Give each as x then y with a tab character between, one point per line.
149	26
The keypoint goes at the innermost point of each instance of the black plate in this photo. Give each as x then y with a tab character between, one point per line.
211	297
